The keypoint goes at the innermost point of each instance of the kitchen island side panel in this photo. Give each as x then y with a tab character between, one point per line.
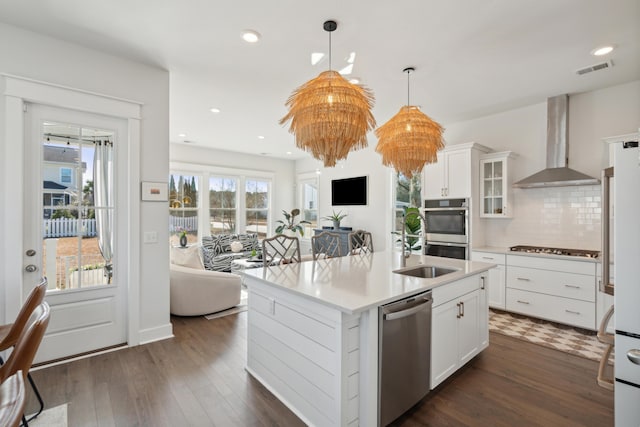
306	354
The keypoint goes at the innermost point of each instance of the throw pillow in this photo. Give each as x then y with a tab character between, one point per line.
217	262
249	241
187	257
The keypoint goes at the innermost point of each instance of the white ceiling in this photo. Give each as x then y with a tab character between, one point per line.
472	57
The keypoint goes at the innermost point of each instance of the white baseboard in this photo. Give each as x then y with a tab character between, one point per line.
156	334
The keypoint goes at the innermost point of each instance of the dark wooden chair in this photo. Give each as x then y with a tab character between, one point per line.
325	245
280	249
10	332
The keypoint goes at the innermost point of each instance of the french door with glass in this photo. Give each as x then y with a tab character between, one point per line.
72	212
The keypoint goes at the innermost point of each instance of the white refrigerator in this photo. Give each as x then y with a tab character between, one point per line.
626	242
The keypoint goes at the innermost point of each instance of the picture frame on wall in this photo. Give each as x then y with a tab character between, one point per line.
155	191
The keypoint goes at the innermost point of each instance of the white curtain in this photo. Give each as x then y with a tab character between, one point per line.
103	200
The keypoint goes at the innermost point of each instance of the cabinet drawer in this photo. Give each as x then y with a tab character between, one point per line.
557	309
569	285
491	257
449	291
548	263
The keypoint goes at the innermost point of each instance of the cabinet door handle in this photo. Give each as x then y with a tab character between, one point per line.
462	305
634	356
524	279
572	312
458	315
482	279
572	286
523	302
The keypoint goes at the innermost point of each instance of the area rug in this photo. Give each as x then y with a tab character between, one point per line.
52	417
577	341
233	310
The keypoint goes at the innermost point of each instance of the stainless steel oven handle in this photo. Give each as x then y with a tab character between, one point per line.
446	209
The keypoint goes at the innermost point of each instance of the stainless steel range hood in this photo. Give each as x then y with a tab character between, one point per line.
557	173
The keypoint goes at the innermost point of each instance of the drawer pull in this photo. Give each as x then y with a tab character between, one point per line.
572	286
487	257
572	312
523	302
634	356
523	279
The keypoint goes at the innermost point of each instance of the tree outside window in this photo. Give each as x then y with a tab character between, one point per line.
408	193
222	204
183	207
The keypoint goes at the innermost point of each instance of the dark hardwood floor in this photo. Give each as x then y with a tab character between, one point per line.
198	379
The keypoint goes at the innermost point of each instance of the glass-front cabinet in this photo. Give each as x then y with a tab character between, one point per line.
495	185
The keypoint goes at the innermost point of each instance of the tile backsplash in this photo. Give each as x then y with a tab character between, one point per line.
564	217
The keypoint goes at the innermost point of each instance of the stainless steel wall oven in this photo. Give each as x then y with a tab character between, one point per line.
447	228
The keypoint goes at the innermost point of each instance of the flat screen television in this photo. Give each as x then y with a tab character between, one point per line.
349	191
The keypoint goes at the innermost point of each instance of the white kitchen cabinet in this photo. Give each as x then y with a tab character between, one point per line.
483	311
495	278
495	185
554	289
452	175
459	326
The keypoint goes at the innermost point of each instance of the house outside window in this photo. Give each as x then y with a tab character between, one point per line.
184	207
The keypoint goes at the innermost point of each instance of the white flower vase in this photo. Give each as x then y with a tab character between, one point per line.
336	225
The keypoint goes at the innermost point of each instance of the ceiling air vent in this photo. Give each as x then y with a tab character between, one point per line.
595	67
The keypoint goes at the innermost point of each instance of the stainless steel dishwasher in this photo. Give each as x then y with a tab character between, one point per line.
404	355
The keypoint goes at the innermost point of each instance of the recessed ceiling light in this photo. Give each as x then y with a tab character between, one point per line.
260	137
354	80
602	50
251	36
215	110
182	135
316	57
346	70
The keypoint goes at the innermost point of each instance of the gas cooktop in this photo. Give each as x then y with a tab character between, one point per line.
556	251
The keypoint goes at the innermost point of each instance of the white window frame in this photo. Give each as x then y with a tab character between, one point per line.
241	175
63	176
306	178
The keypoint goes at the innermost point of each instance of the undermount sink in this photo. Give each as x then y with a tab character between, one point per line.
425	271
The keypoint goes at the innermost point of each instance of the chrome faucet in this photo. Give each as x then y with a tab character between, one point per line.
404	226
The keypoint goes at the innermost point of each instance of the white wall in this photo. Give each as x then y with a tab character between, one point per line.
553	217
31	55
376	216
284	170
564	216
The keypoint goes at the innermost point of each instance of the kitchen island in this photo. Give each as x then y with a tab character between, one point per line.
312	335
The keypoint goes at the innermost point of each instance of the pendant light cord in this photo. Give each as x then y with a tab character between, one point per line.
408	74
329	50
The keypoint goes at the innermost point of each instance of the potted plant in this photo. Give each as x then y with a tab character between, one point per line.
182	233
336	218
290	223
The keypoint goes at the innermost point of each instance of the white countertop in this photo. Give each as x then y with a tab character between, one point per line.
357	283
507	251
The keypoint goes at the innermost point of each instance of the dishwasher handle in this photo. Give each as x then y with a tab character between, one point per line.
409	311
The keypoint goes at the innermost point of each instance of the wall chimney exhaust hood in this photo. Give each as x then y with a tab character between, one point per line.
557	173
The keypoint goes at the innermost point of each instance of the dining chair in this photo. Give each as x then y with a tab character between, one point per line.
12	400
280	249
360	242
27	346
10	332
325	245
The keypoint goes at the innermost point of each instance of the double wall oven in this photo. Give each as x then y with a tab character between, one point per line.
447	228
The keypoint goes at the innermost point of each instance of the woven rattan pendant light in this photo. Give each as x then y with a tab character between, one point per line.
410	139
330	116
